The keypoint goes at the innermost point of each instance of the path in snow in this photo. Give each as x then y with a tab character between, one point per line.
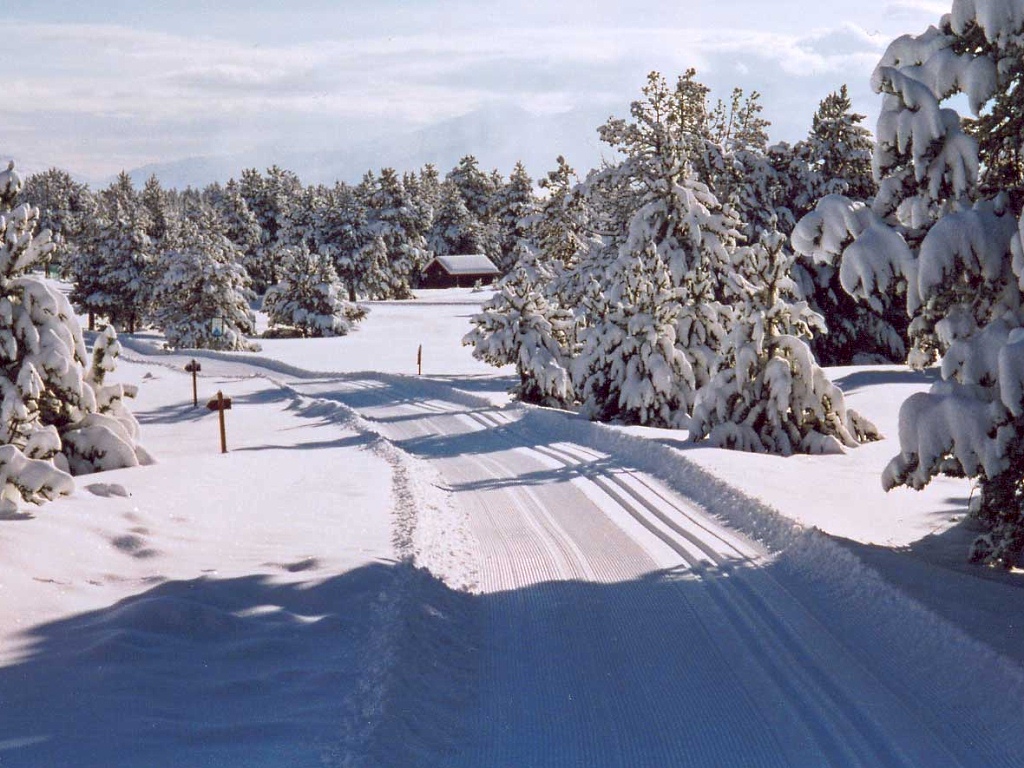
623	626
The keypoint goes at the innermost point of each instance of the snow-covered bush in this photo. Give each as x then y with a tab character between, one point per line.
767	394
110	396
309	297
520	326
50	419
202	298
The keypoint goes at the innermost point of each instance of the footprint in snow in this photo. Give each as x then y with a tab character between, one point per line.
106	490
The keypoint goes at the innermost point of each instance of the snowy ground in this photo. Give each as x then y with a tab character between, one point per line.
391	569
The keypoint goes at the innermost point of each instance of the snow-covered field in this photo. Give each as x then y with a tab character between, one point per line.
392	569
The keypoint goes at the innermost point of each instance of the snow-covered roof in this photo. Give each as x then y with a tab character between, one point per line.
467	264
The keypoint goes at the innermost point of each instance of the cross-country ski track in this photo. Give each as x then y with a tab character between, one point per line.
620	625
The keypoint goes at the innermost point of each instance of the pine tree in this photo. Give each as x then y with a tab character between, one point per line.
838	149
66	208
347	237
514	214
113	272
560	230
239	223
310	298
693	234
162	226
271	199
394	221
836	159
50	421
629	367
478	189
520	326
454	229
202	298
962	259
767	393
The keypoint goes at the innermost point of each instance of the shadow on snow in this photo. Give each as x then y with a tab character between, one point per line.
384	665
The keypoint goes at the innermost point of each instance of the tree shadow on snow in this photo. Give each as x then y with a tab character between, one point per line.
384	665
173	414
240	671
477	384
852	382
985	602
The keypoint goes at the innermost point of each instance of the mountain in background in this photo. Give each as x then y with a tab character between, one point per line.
499	137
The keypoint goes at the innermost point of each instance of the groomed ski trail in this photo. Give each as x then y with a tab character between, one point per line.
623	626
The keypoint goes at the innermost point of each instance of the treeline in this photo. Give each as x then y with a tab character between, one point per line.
178	259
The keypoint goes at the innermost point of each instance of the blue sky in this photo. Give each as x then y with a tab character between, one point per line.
109	84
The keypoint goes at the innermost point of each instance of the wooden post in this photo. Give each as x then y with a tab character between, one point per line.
194	368
419	361
223	431
221	404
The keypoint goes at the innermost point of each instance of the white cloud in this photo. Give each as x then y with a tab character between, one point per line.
99	96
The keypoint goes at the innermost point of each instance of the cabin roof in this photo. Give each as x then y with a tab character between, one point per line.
466	264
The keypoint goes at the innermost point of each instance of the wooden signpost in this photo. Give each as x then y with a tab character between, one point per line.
221	404
419	361
194	368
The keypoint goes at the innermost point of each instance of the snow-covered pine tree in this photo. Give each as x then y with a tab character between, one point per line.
113	272
767	393
393	219
475	186
520	326
560	228
50	423
347	237
966	270
66	208
514	212
853	264
927	167
162	223
838	150
478	189
629	367
693	234
271	199
202	298
240	224
375	275
310	298
107	438
836	161
454	229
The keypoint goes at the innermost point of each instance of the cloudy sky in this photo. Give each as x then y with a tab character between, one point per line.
98	86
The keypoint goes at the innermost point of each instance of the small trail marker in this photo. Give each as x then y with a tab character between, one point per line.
194	368
419	361
221	404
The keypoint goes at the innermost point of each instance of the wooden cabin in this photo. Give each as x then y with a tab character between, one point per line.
459	271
